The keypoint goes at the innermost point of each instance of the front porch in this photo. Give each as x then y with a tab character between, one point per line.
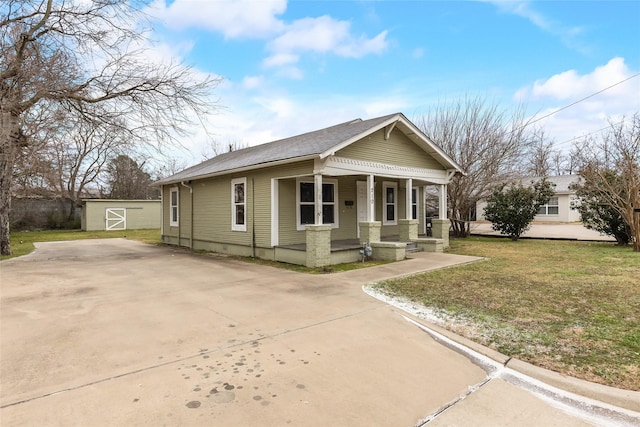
348	244
319	250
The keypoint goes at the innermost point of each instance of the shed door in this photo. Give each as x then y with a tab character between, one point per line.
116	219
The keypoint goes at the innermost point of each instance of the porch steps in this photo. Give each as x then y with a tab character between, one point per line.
413	247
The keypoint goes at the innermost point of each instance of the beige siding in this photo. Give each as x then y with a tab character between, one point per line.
397	150
263	197
138	213
184	204
347	215
212	207
287	214
167	230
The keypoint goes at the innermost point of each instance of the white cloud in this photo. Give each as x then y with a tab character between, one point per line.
588	115
322	35
232	18
569	85
524	9
274	114
293	73
252	82
287	42
280	59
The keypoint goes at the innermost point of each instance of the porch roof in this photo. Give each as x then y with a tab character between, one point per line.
317	144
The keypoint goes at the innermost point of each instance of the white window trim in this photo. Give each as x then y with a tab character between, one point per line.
385	185
416	202
547	205
234	225
336	210
172	222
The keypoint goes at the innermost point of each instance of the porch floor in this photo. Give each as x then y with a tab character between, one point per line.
343	245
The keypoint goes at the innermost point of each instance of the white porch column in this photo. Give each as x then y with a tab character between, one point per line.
275	200
408	198
317	180
442	204
371	199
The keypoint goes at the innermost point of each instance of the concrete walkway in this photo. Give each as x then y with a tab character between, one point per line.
114	332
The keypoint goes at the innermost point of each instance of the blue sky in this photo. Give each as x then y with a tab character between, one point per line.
293	66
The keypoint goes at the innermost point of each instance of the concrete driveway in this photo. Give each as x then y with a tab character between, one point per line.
115	332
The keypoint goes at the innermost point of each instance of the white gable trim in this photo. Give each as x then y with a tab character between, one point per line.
414	133
340	166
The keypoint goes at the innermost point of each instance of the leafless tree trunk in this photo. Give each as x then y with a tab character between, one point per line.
128	180
486	142
79	155
81	55
540	155
610	167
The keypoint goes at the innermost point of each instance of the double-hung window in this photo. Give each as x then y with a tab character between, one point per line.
551	208
239	204
306	203
174	207
390	202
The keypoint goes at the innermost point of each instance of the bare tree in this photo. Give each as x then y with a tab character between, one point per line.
80	54
485	141
128	180
609	168
79	156
540	155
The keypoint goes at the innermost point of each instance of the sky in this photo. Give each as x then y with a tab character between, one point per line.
289	67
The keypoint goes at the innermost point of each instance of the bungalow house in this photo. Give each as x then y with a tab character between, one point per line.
314	199
562	207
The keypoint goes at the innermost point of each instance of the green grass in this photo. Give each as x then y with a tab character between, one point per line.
573	307
22	242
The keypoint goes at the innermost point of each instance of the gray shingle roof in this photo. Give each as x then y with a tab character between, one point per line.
562	182
302	146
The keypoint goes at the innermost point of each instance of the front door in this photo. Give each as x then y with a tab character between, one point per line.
361	189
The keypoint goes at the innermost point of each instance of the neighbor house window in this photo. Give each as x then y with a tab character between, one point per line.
173	206
239	204
306	205
390	200
551	208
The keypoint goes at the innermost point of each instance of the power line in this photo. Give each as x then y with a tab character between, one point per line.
583	99
575	138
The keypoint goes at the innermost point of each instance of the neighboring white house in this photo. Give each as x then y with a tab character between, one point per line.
561	208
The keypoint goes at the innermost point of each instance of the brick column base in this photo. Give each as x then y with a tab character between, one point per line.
369	231
318	245
408	229
440	230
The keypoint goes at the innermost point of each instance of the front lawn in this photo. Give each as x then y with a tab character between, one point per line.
573	307
22	241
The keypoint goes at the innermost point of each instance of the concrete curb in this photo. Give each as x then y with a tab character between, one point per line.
626	399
